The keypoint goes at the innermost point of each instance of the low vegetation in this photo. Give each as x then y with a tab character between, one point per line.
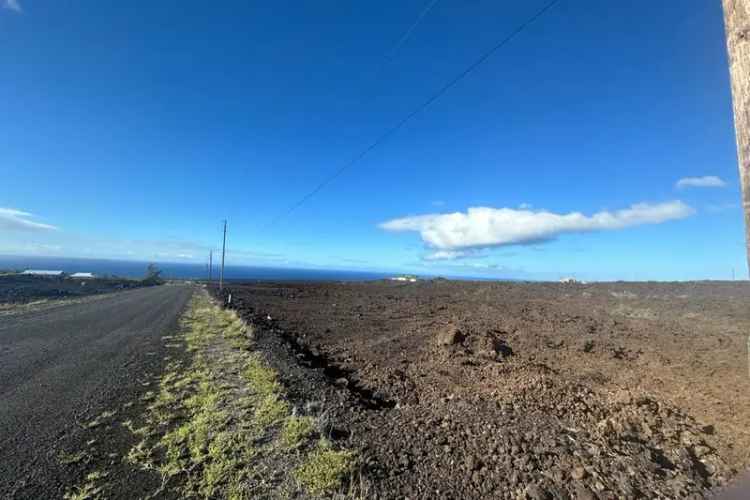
220	424
324	469
296	430
91	488
153	276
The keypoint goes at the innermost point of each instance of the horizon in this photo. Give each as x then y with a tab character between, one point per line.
576	149
239	272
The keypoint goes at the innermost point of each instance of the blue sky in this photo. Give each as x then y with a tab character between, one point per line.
133	128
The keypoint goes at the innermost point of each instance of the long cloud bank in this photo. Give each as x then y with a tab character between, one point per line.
12	219
708	181
459	234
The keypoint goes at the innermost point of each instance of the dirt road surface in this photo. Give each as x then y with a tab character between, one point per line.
63	370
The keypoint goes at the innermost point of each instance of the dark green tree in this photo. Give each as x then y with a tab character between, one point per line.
153	275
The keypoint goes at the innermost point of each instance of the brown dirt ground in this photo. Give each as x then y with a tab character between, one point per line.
523	390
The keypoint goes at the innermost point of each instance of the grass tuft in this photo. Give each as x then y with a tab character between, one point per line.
325	469
271	410
261	378
90	489
296	430
73	458
217	421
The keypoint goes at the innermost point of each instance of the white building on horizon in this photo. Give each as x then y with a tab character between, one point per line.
87	276
42	272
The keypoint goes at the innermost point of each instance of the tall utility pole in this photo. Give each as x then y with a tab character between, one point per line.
223	252
737	26
210	266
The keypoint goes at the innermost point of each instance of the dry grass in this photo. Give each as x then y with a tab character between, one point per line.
220	422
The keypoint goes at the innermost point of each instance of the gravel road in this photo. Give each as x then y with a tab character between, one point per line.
62	367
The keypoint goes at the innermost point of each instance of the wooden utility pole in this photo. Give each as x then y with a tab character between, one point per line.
223	251
210	265
737	26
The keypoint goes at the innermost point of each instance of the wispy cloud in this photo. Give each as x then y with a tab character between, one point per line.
716	208
181	256
18	220
708	181
36	249
452	235
24	236
447	255
349	260
12	5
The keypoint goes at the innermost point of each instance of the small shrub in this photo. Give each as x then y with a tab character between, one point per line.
153	276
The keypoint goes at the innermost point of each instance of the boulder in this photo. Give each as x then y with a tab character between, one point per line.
450	335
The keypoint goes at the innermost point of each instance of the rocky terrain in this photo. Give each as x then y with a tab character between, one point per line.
514	390
22	289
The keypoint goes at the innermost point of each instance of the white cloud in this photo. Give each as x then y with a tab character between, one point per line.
452	235
716	208
12	219
448	255
71	244
172	255
708	181
30	249
12	5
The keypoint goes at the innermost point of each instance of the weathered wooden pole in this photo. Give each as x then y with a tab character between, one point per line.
223	252
737	26
211	266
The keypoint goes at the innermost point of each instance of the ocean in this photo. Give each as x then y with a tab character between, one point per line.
133	269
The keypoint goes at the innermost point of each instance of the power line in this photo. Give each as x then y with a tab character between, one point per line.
385	135
391	54
405	37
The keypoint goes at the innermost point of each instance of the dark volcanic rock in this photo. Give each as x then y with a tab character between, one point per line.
502	391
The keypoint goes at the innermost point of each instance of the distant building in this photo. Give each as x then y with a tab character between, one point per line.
87	276
43	272
568	280
408	278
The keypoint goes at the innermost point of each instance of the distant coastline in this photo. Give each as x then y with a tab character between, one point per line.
136	269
